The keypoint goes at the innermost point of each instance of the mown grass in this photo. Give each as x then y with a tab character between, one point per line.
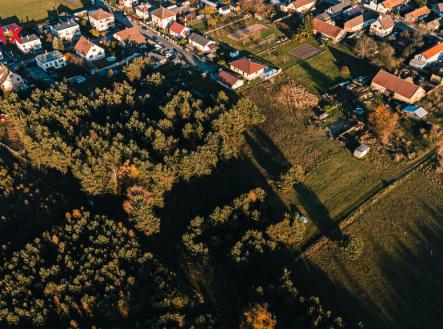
396	281
325	69
34	10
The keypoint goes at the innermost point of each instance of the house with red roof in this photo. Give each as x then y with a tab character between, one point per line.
383	26
163	17
88	50
248	69
178	30
229	80
130	36
400	89
417	14
328	30
101	20
432	55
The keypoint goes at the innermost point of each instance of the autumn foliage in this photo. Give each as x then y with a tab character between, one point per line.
383	122
258	317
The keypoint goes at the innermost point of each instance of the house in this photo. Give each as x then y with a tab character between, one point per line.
299	6
229	80
432	55
52	60
224	10
361	151
389	6
29	43
247	68
142	11
128	3
130	36
9	80
177	30
360	22
415	112
401	89
327	30
162	17
88	50
417	14
201	43
383	26
101	20
66	31
435	25
337	9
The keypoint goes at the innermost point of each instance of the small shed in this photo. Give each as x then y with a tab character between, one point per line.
361	151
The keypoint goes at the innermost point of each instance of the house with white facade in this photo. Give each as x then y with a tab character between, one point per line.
178	30
29	43
10	81
247	68
201	43
162	17
424	59
360	22
128	3
53	60
66	31
383	26
88	50
229	80
101	20
299	6
328	30
142	11
130	36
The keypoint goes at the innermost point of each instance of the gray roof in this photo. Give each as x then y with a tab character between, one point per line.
199	39
338	8
29	38
64	25
49	57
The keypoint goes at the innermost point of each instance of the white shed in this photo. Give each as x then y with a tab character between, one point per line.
361	151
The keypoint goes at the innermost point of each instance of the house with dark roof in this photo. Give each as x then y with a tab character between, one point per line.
229	80
298	6
247	68
29	43
66	30
130	36
201	43
101	20
400	89
88	50
163	17
53	60
383	26
360	22
432	55
328	30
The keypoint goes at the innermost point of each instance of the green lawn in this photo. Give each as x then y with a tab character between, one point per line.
34	10
396	282
324	70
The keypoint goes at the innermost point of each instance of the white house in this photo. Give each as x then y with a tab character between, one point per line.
162	17
142	11
360	22
229	80
224	10
383	26
29	43
427	57
88	50
66	30
53	60
299	6
178	30
328	30
9	80
201	43
101	20
128	3
247	68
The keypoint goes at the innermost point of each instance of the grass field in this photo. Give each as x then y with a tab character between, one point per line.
266	39
324	70
34	10
396	282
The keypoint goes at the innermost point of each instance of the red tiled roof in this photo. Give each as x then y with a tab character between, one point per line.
327	29
301	3
132	35
247	66
83	45
100	14
395	84
227	78
417	13
434	50
389	4
386	22
177	28
163	13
